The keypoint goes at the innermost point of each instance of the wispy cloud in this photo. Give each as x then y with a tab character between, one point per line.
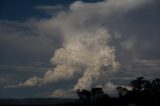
49	7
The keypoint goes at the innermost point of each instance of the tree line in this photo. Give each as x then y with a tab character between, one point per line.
142	93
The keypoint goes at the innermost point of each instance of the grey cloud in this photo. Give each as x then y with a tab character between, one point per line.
132	26
50	7
88	17
19	42
23	52
51	10
61	93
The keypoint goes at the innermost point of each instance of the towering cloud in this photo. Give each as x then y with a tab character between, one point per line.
87	52
86	47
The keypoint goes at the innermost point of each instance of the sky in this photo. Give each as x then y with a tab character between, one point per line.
51	48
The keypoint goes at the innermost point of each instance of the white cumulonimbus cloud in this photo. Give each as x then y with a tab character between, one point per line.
89	51
85	42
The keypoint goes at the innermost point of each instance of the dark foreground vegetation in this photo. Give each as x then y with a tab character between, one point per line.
142	93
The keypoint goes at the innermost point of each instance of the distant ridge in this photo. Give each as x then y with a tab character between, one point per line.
35	101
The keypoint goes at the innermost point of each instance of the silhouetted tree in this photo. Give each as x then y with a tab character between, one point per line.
138	84
84	95
121	90
96	93
142	93
95	96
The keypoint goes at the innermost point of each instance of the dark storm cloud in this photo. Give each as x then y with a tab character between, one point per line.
139	28
23	52
136	38
20	42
